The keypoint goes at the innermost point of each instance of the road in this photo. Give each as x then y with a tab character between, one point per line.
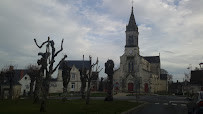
163	105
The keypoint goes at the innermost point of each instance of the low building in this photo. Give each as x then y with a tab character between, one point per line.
163	83
74	85
11	78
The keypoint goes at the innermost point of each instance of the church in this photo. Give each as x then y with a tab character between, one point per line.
137	73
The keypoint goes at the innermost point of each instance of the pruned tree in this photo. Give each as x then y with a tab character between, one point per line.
90	75
101	84
7	75
66	77
47	62
3	78
33	72
83	79
109	65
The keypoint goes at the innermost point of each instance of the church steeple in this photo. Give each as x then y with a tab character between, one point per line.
131	32
132	24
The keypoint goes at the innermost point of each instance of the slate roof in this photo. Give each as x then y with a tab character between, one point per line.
78	64
163	76
152	59
132	24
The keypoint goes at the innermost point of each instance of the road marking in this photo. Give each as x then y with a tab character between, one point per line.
156	103
165	103
174	104
183	105
177	101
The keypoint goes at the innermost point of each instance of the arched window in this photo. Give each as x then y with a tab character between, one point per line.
130	66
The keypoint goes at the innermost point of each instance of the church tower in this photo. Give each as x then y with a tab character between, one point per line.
131	32
131	46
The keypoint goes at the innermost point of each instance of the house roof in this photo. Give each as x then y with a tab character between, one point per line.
152	59
18	75
77	63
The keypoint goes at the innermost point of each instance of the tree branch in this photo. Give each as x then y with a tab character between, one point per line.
60	49
59	63
41	44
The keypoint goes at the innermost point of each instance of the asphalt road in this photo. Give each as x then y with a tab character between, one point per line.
163	105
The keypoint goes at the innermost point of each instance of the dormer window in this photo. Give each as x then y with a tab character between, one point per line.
73	76
25	78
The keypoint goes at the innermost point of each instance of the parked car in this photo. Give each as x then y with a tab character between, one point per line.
195	104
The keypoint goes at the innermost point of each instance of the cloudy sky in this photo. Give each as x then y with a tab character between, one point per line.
173	28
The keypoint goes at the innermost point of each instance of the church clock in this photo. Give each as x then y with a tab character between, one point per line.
130	52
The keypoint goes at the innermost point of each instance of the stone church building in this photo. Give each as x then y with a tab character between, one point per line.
136	73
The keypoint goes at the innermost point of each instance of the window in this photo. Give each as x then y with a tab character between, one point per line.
130	40
73	76
73	85
130	66
25	78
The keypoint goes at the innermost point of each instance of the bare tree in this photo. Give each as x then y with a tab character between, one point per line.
47	62
90	75
33	72
101	87
83	79
66	77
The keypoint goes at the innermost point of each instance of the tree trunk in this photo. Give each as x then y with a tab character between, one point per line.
83	86
38	86
88	91
11	88
45	92
31	87
109	96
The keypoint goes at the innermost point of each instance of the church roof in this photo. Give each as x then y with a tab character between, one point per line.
152	59
78	64
132	24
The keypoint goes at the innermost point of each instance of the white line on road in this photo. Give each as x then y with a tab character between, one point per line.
174	104
183	105
165	103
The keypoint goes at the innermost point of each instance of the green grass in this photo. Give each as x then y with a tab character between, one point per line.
73	106
98	94
92	94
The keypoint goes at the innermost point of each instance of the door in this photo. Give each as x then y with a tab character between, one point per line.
130	86
146	88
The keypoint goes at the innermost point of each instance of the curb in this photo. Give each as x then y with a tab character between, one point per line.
135	109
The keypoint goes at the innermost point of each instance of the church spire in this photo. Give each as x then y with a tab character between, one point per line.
132	24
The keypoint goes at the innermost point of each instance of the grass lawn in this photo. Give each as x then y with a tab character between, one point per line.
73	106
92	94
